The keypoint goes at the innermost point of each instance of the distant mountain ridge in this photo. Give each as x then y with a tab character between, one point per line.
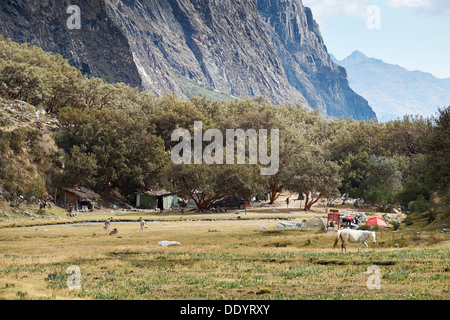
394	91
240	48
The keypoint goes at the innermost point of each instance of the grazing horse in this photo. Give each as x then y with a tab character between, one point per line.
354	236
107	224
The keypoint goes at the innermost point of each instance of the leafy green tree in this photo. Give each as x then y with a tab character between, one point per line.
173	113
80	168
412	189
439	151
408	136
21	82
36	188
354	174
206	183
383	171
419	205
312	176
379	195
30	74
124	144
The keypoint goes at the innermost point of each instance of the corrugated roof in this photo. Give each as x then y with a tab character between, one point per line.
157	193
83	192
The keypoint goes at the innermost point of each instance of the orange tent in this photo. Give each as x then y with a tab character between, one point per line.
376	221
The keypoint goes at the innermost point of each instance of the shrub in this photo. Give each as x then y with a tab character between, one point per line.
432	216
408	221
396	225
420	205
263	291
36	188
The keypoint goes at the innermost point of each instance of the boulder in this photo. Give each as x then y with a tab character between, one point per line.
289	225
166	243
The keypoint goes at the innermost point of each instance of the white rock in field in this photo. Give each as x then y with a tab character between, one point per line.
289	225
168	243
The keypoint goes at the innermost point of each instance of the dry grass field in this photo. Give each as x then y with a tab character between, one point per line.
222	258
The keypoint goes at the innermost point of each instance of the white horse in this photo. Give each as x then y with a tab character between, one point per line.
354	236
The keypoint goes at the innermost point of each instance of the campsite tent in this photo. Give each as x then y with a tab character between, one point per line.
376	221
315	224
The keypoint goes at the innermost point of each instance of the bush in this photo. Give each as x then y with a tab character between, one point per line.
412	188
420	205
36	188
396	225
408	222
380	196
432	216
16	140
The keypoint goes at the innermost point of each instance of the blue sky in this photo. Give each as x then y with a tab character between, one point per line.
414	34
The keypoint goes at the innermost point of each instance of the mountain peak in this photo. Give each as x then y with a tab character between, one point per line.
357	56
394	91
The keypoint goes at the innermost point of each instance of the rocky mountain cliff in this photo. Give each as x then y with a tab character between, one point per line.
99	48
394	91
306	61
242	48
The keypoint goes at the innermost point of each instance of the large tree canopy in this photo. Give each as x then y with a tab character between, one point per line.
112	136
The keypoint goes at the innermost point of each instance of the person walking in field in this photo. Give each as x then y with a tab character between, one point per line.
143	224
107	224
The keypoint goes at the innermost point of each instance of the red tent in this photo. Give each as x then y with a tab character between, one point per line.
376	221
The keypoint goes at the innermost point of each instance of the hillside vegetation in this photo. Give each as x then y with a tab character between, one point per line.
60	128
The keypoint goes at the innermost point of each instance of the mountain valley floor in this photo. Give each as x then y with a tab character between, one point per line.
220	256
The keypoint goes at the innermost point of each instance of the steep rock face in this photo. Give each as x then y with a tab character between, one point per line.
243	48
99	48
307	64
219	44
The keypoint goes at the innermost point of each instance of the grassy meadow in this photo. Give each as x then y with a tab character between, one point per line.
221	258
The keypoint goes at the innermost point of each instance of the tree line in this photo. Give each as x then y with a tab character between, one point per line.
113	137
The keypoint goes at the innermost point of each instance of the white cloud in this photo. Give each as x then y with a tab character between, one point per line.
409	3
428	7
358	8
